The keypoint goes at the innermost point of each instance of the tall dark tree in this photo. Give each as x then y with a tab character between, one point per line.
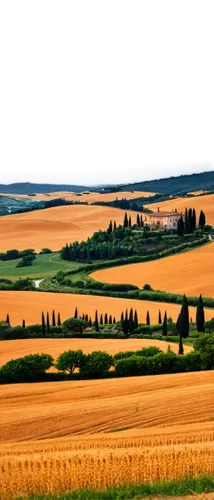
101	319
86	317
48	322
189	220
148	318
184	319
8	319
186	220
200	315
126	316
110	319
96	323
106	319
141	221
43	324
23	323
76	313
138	220
130	221
83	316
180	226
115	225
159	318
135	319
131	320
165	324
202	220
114	320
193	219
122	317
181	349
126	222
58	320
110	228
125	327
53	318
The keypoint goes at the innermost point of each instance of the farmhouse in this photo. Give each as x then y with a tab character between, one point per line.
165	220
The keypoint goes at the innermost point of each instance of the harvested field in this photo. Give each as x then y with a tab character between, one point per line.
189	272
205	203
29	306
101	433
54	227
19	348
89	197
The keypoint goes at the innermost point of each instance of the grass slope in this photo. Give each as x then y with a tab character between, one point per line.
44	266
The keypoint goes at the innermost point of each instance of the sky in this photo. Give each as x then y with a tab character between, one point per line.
104	176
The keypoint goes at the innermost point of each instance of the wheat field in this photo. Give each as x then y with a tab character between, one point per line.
90	197
100	433
19	348
29	306
205	203
189	272
55	226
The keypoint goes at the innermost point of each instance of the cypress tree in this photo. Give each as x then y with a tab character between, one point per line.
76	313
184	319
165	324
43	324
189	220
114	320
130	221
126	316
181	349
110	228
48	322
194	219
131	320
159	318
180	226
135	319
186	219
138	220
101	319
125	327
96	323
106	319
200	315
202	220
122	317
83	316
53	318
148	318
110	319
86	317
58	320
23	323
115	225
8	319
126	222
141	221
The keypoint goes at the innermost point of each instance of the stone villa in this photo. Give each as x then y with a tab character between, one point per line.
162	220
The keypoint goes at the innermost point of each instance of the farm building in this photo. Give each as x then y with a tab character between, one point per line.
165	220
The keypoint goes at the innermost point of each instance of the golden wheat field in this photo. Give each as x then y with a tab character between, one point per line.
101	433
205	203
189	272
55	226
18	348
29	306
89	197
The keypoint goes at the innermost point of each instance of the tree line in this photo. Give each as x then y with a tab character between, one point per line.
189	222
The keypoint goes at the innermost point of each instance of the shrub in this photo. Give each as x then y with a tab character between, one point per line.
75	324
70	360
96	364
26	369
45	250
147	287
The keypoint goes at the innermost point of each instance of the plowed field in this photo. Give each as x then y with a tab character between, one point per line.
29	306
205	203
191	273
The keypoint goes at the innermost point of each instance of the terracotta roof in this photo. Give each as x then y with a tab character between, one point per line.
164	214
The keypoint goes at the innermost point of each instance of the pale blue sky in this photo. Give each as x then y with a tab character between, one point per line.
113	176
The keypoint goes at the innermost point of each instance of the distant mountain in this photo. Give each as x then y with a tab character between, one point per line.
28	188
174	185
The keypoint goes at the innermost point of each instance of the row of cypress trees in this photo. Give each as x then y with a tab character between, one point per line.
46	321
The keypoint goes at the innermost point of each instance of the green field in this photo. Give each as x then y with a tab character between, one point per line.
45	266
